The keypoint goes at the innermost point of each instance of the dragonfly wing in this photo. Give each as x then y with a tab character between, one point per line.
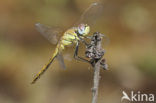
91	14
61	61
105	40
50	33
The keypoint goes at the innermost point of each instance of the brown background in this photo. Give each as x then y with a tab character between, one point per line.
131	53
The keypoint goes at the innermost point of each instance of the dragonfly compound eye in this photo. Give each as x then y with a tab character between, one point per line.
83	29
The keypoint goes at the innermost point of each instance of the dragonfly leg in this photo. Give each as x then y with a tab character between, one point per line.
83	41
76	54
88	37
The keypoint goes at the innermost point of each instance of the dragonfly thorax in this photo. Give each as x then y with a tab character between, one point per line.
83	29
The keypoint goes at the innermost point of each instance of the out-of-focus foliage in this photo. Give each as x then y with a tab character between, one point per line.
131	54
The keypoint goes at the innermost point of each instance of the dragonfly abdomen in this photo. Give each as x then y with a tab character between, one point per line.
46	66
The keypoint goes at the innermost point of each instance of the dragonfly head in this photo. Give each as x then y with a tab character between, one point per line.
83	29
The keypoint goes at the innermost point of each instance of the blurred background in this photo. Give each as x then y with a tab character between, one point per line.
131	53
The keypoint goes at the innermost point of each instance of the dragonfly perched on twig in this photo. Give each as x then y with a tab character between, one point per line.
73	35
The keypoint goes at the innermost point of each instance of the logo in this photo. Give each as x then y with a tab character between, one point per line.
137	97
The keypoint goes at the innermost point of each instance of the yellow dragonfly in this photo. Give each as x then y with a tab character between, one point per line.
73	35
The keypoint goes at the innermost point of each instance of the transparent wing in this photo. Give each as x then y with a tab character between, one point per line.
105	40
50	33
91	14
61	61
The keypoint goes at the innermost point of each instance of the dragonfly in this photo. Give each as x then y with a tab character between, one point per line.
73	35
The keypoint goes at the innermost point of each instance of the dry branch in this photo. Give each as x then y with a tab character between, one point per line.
95	53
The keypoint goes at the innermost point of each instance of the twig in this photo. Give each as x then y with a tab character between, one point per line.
95	53
96	82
